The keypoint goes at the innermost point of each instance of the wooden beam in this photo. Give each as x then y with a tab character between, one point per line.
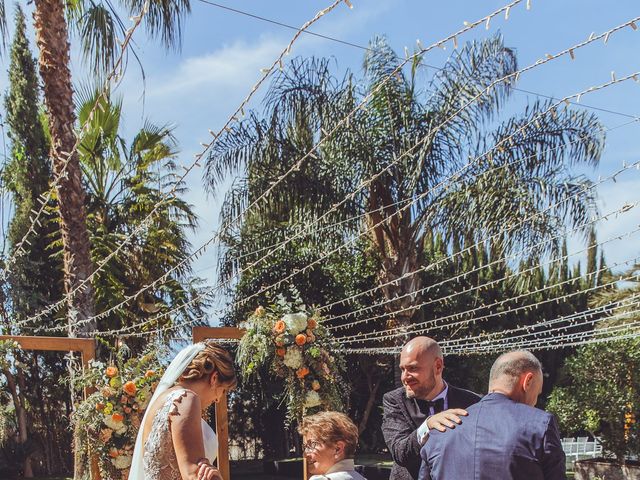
202	333
60	344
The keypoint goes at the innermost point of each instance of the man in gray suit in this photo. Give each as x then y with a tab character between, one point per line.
504	436
424	403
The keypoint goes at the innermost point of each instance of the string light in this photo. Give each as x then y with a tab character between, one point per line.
512	256
422	327
295	167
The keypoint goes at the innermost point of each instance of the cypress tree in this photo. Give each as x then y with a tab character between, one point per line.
27	178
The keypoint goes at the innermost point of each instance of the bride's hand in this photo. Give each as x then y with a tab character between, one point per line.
208	472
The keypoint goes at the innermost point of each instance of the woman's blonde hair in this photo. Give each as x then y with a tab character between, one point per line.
213	358
330	428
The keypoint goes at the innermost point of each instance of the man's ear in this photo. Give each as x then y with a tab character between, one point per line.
438	365
527	380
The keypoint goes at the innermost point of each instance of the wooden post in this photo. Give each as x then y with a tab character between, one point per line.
87	349
222	419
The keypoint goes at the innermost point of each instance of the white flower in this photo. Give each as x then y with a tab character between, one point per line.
122	461
312	399
118	427
296	322
293	358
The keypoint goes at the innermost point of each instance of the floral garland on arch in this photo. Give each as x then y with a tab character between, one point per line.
290	343
109	419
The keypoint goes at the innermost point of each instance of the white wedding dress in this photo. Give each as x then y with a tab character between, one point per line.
159	457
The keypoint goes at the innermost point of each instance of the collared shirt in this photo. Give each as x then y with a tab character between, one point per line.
423	429
342	470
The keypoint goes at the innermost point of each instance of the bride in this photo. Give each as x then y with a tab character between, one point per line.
174	443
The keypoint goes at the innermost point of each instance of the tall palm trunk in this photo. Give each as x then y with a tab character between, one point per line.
393	236
53	44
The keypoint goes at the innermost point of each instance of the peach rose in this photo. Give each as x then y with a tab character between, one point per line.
301	339
302	372
111	372
117	417
280	351
312	323
149	373
130	388
113	452
127	410
280	326
315	385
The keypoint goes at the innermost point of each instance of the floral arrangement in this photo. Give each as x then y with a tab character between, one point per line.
110	417
289	342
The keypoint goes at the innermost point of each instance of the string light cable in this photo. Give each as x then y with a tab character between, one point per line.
266	72
508	335
451	347
468	27
244	300
422	327
581	227
561	339
422	64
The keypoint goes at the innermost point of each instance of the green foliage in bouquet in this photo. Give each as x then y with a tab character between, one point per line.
287	341
109	419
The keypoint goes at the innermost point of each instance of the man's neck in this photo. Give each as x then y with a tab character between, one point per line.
437	390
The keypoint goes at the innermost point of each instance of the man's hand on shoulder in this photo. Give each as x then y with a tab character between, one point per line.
446	419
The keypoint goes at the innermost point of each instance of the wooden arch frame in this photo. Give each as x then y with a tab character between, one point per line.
85	346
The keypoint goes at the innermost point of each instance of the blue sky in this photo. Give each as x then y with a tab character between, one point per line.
197	88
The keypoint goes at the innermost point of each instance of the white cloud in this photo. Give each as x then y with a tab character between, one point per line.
234	66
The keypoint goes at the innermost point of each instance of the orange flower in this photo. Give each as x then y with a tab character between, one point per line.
111	372
130	388
301	339
149	373
302	372
280	326
311	323
310	336
315	385
117	417
113	453
281	351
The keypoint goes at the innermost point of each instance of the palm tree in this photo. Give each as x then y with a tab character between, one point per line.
523	177
124	183
96	22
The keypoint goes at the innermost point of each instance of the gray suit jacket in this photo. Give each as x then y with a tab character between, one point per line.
500	439
400	424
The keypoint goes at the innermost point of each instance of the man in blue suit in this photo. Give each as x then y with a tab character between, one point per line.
504	437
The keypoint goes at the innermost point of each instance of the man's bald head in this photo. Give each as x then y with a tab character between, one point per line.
518	375
419	346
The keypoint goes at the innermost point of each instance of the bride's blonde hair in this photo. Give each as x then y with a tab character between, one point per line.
212	358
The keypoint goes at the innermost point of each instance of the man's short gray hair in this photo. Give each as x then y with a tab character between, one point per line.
514	364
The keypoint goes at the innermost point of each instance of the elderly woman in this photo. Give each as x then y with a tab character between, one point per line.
330	441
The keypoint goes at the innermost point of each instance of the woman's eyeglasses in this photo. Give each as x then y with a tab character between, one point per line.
311	446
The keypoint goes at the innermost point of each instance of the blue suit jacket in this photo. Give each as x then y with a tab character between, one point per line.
499	440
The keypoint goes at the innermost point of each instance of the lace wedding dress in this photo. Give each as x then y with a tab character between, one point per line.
159	457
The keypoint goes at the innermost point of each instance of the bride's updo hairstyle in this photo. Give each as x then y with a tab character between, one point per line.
211	359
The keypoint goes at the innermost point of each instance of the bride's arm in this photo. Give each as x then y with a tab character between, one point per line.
186	433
